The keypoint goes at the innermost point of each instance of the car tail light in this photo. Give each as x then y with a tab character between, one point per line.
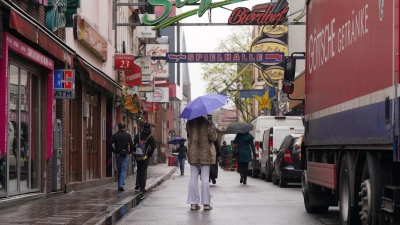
270	145
257	145
287	156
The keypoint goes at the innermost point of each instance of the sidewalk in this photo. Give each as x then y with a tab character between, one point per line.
98	205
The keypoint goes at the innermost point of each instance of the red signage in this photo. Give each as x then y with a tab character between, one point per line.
134	77
244	16
124	62
148	107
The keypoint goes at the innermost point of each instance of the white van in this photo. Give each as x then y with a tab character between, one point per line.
228	138
262	123
272	140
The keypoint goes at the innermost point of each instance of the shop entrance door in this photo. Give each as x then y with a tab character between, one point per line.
23	141
93	139
73	138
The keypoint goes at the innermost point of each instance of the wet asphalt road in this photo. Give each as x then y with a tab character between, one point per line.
258	202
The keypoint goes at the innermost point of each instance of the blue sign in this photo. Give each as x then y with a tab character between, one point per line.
259	92
223	57
64	84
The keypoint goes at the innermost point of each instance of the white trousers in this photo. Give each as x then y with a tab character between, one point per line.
193	193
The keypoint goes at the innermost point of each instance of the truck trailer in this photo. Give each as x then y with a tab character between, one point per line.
351	141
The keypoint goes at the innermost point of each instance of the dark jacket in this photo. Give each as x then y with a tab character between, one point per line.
246	146
182	150
150	142
217	148
224	150
120	140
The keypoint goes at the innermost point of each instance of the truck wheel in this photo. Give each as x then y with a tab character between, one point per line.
370	191
313	209
348	215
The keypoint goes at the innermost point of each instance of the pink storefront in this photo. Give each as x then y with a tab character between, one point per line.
26	99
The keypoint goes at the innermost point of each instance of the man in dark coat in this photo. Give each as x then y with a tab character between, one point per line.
142	165
214	168
182	152
120	140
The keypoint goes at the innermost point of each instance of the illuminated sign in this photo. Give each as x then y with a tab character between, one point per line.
167	5
64	84
223	57
244	16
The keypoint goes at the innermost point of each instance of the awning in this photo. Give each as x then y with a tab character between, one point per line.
31	31
100	78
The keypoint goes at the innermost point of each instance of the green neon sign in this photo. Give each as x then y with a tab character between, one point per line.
203	7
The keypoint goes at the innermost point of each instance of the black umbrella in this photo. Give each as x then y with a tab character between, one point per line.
239	127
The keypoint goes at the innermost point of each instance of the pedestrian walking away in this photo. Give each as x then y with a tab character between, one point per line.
120	141
214	167
142	163
245	146
182	152
201	154
224	151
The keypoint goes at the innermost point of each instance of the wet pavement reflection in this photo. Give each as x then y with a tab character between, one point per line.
104	204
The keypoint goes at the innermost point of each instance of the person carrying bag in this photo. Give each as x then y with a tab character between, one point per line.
144	145
121	140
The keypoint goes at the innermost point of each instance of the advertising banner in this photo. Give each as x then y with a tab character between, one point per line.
158	67
134	77
146	31
160	94
144	62
223	57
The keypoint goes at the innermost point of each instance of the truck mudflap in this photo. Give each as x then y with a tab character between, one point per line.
391	203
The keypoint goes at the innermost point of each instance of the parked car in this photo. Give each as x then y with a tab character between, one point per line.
262	123
272	139
287	166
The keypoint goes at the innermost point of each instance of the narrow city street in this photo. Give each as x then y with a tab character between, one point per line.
258	202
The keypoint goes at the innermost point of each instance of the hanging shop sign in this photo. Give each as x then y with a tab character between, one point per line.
55	14
158	67
134	77
244	16
148	107
167	5
222	57
64	84
145	31
271	39
144	62
90	38
131	103
124	62
160	94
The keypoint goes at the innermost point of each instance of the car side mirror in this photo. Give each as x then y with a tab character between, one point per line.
274	150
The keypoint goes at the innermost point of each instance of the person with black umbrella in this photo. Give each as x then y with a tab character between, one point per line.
244	142
182	151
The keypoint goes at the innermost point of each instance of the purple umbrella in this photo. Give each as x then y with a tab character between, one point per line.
203	105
